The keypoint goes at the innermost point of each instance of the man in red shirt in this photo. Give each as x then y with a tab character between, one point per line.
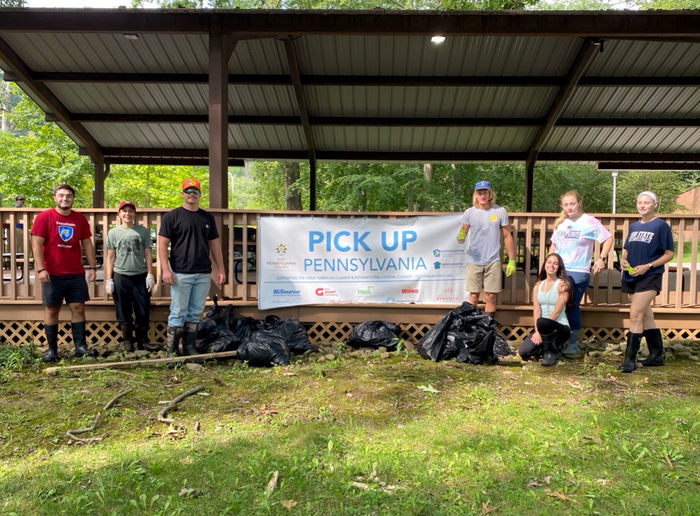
59	236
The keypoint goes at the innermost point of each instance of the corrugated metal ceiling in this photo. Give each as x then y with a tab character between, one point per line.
376	77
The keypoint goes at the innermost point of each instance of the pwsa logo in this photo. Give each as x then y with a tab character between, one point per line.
323	291
409	291
365	291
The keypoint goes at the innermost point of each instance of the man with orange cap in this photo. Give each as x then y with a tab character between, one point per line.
193	237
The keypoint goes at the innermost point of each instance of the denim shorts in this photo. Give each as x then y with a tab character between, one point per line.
71	287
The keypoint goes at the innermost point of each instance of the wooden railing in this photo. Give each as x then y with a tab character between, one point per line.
531	232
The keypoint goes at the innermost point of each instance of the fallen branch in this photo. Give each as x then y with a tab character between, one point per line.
668	461
109	405
173	403
137	363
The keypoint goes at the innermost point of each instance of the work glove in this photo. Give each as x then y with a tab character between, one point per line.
461	235
109	286
150	282
510	268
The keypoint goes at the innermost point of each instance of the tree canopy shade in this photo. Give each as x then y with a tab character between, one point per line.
367	86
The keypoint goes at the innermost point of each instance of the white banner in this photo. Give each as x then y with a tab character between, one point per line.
314	260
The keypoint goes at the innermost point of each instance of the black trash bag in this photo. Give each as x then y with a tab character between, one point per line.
294	334
244	328
271	322
477	347
500	345
434	343
217	317
221	339
265	348
373	334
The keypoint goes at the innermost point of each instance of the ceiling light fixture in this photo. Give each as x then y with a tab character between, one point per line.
437	40
132	37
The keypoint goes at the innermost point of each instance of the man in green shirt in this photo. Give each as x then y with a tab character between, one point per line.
128	276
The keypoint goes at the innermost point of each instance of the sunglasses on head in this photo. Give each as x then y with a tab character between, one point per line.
191	191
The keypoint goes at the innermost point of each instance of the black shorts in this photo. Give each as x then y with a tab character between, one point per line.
641	284
71	287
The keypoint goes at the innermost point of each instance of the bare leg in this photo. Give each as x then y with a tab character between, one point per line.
490	298
474	298
640	311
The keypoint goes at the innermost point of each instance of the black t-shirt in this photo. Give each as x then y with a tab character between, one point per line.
189	233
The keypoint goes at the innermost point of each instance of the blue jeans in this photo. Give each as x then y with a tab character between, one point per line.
187	297
579	282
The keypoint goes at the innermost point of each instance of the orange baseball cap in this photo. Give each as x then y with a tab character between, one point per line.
191	182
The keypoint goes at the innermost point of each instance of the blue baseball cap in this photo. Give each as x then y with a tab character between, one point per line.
482	185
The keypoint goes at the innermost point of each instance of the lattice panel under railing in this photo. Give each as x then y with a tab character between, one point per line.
103	332
107	332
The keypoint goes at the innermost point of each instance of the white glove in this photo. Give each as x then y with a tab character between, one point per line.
109	286
150	282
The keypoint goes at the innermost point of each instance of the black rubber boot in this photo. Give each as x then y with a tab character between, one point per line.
188	339
629	364
127	337
142	339
551	352
174	334
656	348
81	349
52	342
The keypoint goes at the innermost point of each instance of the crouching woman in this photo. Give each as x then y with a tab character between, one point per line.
550	297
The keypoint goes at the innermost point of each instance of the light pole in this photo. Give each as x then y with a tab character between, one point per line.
614	176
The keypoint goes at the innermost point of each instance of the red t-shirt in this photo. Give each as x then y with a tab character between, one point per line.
62	235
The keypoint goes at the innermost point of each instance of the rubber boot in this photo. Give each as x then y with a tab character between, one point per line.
81	349
188	339
551	352
629	364
52	341
127	337
572	349
142	339
174	334
656	348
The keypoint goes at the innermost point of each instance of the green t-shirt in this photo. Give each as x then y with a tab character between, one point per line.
129	245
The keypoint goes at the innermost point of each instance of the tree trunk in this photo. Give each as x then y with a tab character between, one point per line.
5	106
455	187
428	179
292	196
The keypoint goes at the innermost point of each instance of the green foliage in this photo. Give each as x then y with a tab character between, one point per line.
37	156
392	436
150	186
14	358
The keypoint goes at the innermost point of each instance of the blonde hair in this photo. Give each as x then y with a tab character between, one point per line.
492	199
562	215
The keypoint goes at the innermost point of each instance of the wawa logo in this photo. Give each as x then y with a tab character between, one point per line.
409	291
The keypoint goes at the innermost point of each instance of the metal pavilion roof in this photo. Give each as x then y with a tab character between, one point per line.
133	86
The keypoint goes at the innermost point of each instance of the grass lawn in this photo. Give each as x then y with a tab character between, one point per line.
374	435
687	252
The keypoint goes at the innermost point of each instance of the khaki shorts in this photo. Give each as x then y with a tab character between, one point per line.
484	277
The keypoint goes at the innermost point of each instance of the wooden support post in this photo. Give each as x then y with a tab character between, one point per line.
98	192
220	49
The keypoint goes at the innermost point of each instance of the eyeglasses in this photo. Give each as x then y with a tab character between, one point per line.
191	191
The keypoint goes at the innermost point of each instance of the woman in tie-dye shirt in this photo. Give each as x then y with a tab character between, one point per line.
574	238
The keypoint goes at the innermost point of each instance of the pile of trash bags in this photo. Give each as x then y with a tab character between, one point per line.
260	343
374	334
465	334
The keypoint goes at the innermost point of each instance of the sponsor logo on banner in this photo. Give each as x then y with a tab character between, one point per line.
281	249
365	291
410	291
286	292
448	295
325	292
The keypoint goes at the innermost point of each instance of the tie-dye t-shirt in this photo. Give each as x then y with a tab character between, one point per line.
574	241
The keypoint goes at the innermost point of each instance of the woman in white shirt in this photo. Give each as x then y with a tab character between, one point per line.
574	238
